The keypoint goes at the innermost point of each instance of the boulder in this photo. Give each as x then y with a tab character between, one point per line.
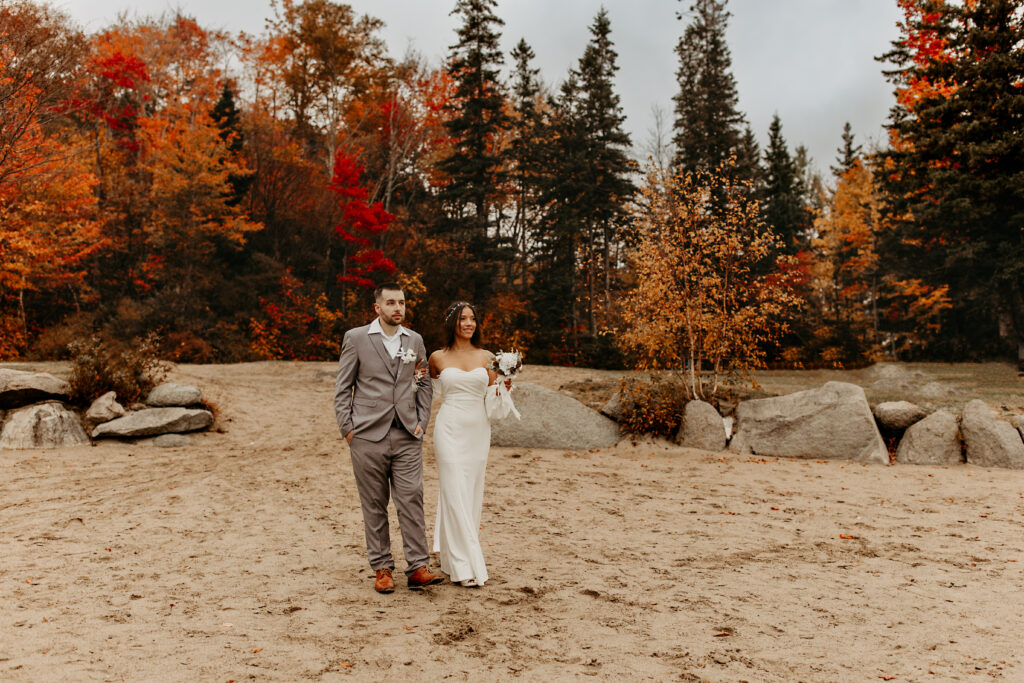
171	394
896	416
988	441
172	441
552	420
614	408
19	388
935	440
105	409
833	422
154	421
702	427
43	425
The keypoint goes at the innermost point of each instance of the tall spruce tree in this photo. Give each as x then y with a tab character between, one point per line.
785	209
708	125
560	232
525	160
954	176
587	202
474	170
610	187
848	153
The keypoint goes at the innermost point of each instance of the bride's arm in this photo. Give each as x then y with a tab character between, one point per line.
432	365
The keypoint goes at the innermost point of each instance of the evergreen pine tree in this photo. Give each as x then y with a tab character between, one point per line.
526	165
708	124
955	173
848	153
559	235
610	188
474	170
784	208
225	114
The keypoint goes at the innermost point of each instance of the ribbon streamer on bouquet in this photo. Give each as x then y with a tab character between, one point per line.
500	404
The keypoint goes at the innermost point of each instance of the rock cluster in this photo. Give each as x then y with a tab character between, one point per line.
836	422
33	413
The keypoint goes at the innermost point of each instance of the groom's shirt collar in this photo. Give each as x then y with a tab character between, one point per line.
393	344
375	328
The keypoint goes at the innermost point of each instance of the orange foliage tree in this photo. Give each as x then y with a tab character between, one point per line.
845	274
47	208
702	302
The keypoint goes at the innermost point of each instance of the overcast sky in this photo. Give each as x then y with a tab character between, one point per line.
810	61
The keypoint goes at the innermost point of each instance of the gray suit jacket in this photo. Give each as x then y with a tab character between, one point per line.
372	387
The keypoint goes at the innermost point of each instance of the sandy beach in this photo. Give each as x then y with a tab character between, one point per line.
241	557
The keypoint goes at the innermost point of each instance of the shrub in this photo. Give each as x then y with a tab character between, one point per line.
99	366
654	405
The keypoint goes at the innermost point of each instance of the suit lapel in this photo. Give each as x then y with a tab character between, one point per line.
377	341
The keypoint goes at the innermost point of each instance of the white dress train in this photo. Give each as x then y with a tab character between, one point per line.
462	438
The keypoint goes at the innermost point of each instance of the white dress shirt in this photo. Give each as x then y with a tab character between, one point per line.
393	344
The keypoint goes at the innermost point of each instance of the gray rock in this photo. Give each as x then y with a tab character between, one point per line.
898	415
43	425
935	440
552	420
172	441
105	409
19	388
614	408
702	427
989	441
171	394
833	422
155	421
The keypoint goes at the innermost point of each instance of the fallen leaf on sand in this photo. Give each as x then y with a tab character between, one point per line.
345	665
722	633
844	536
887	677
257	649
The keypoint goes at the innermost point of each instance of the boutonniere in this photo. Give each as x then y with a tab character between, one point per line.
407	356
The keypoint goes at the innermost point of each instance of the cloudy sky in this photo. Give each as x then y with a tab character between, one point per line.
810	61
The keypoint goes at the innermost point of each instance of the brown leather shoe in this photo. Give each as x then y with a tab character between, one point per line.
384	582
422	577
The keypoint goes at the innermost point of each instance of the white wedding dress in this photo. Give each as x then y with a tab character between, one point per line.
462	438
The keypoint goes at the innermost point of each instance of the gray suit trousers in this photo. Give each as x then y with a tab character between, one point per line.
393	465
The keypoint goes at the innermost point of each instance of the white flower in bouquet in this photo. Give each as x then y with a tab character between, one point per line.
507	364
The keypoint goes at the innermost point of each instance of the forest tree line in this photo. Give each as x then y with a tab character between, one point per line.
238	196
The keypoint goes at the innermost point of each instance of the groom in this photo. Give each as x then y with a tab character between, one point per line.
382	404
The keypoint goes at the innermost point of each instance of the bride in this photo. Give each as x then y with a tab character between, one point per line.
462	438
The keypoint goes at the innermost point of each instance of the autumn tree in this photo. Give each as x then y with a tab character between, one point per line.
845	277
48	223
701	304
954	171
323	57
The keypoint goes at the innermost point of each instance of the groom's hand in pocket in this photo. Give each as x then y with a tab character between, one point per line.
418	431
348	438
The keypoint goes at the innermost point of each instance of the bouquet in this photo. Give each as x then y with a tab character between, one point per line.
506	365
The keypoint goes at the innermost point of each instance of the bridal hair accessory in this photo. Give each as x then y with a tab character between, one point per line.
506	365
454	309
